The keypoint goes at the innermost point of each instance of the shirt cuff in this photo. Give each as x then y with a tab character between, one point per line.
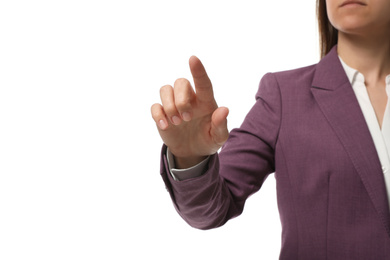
184	174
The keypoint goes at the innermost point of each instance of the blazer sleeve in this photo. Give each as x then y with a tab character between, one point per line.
238	171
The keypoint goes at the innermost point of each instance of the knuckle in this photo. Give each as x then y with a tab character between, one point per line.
156	111
170	109
181	82
182	104
183	95
165	89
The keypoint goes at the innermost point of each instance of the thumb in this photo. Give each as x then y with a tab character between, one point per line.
219	130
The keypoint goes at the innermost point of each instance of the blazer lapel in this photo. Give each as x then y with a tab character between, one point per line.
336	98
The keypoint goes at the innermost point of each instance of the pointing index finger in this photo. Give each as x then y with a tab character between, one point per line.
203	86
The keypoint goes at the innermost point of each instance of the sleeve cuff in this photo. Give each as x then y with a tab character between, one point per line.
184	174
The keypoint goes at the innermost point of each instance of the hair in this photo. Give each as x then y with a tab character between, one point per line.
328	34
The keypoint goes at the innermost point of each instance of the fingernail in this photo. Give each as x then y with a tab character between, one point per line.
162	124
186	116
176	120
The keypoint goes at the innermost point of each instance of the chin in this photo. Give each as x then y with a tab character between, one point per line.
353	26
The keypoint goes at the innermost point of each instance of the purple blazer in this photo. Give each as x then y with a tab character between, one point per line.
306	127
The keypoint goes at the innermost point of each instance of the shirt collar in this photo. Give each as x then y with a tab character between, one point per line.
355	76
352	74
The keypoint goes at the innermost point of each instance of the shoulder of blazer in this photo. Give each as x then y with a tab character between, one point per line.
299	76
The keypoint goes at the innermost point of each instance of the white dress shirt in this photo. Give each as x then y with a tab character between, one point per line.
380	136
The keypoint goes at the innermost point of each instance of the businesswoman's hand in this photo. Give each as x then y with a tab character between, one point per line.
190	122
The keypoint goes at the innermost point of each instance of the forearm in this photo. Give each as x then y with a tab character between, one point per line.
203	202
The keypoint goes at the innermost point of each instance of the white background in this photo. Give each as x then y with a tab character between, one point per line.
79	151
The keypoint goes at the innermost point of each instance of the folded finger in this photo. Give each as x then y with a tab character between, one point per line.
168	103
183	95
159	116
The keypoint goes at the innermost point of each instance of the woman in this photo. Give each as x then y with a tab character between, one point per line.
323	129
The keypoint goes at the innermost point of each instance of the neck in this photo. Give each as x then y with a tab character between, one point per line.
369	55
